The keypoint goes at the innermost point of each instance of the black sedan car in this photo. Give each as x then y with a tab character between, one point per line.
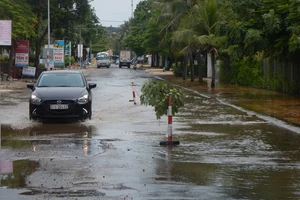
61	94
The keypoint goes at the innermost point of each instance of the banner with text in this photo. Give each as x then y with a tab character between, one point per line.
28	71
58	53
5	32
22	53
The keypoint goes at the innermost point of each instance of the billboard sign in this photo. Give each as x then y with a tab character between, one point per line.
29	71
22	53
80	50
5	32
58	53
68	48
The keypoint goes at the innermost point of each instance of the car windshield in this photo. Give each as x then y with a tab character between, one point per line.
102	57
61	80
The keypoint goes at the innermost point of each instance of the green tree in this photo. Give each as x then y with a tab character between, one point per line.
72	20
197	31
23	22
123	33
138	26
169	15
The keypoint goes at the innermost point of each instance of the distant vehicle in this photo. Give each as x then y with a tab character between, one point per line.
136	60
103	59
133	60
114	59
124	58
61	94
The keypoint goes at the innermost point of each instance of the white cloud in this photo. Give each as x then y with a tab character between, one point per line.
114	12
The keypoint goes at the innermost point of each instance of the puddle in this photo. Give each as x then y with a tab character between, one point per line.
281	106
53	140
65	130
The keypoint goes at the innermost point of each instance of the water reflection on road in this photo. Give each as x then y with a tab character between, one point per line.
225	152
248	156
24	151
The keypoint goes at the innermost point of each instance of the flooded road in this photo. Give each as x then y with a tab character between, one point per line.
225	152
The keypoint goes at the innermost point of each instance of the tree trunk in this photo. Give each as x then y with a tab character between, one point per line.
213	70
185	69
152	60
11	58
200	76
171	61
192	67
37	53
156	60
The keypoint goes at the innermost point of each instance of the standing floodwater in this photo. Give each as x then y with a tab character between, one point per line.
225	152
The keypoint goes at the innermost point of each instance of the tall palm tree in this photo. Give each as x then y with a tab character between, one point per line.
170	14
208	16
198	31
123	32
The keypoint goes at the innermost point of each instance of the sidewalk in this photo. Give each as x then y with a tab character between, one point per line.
156	71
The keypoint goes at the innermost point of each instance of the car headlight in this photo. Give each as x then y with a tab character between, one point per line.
35	99
84	99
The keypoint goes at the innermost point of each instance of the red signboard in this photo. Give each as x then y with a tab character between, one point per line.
22	53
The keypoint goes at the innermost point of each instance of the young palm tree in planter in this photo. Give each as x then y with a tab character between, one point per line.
165	99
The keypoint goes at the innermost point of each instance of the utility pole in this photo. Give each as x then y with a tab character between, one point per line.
131	8
48	49
81	53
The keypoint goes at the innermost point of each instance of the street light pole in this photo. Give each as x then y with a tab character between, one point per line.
131	8
48	49
81	49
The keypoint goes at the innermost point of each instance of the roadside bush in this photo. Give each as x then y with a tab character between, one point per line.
177	70
67	60
228	71
3	59
248	72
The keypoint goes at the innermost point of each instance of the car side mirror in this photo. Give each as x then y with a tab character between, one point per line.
30	86
92	85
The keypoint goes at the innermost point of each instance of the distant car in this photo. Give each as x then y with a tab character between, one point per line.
133	60
103	60
137	60
61	94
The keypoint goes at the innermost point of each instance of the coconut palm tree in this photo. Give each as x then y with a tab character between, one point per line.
198	31
169	15
123	32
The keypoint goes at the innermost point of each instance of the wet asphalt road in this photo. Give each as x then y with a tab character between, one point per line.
225	152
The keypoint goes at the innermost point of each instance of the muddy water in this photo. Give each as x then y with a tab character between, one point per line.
225	151
243	154
281	106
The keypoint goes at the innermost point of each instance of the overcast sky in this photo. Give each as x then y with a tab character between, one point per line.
113	12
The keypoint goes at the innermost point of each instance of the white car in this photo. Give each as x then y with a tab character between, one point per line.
103	60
